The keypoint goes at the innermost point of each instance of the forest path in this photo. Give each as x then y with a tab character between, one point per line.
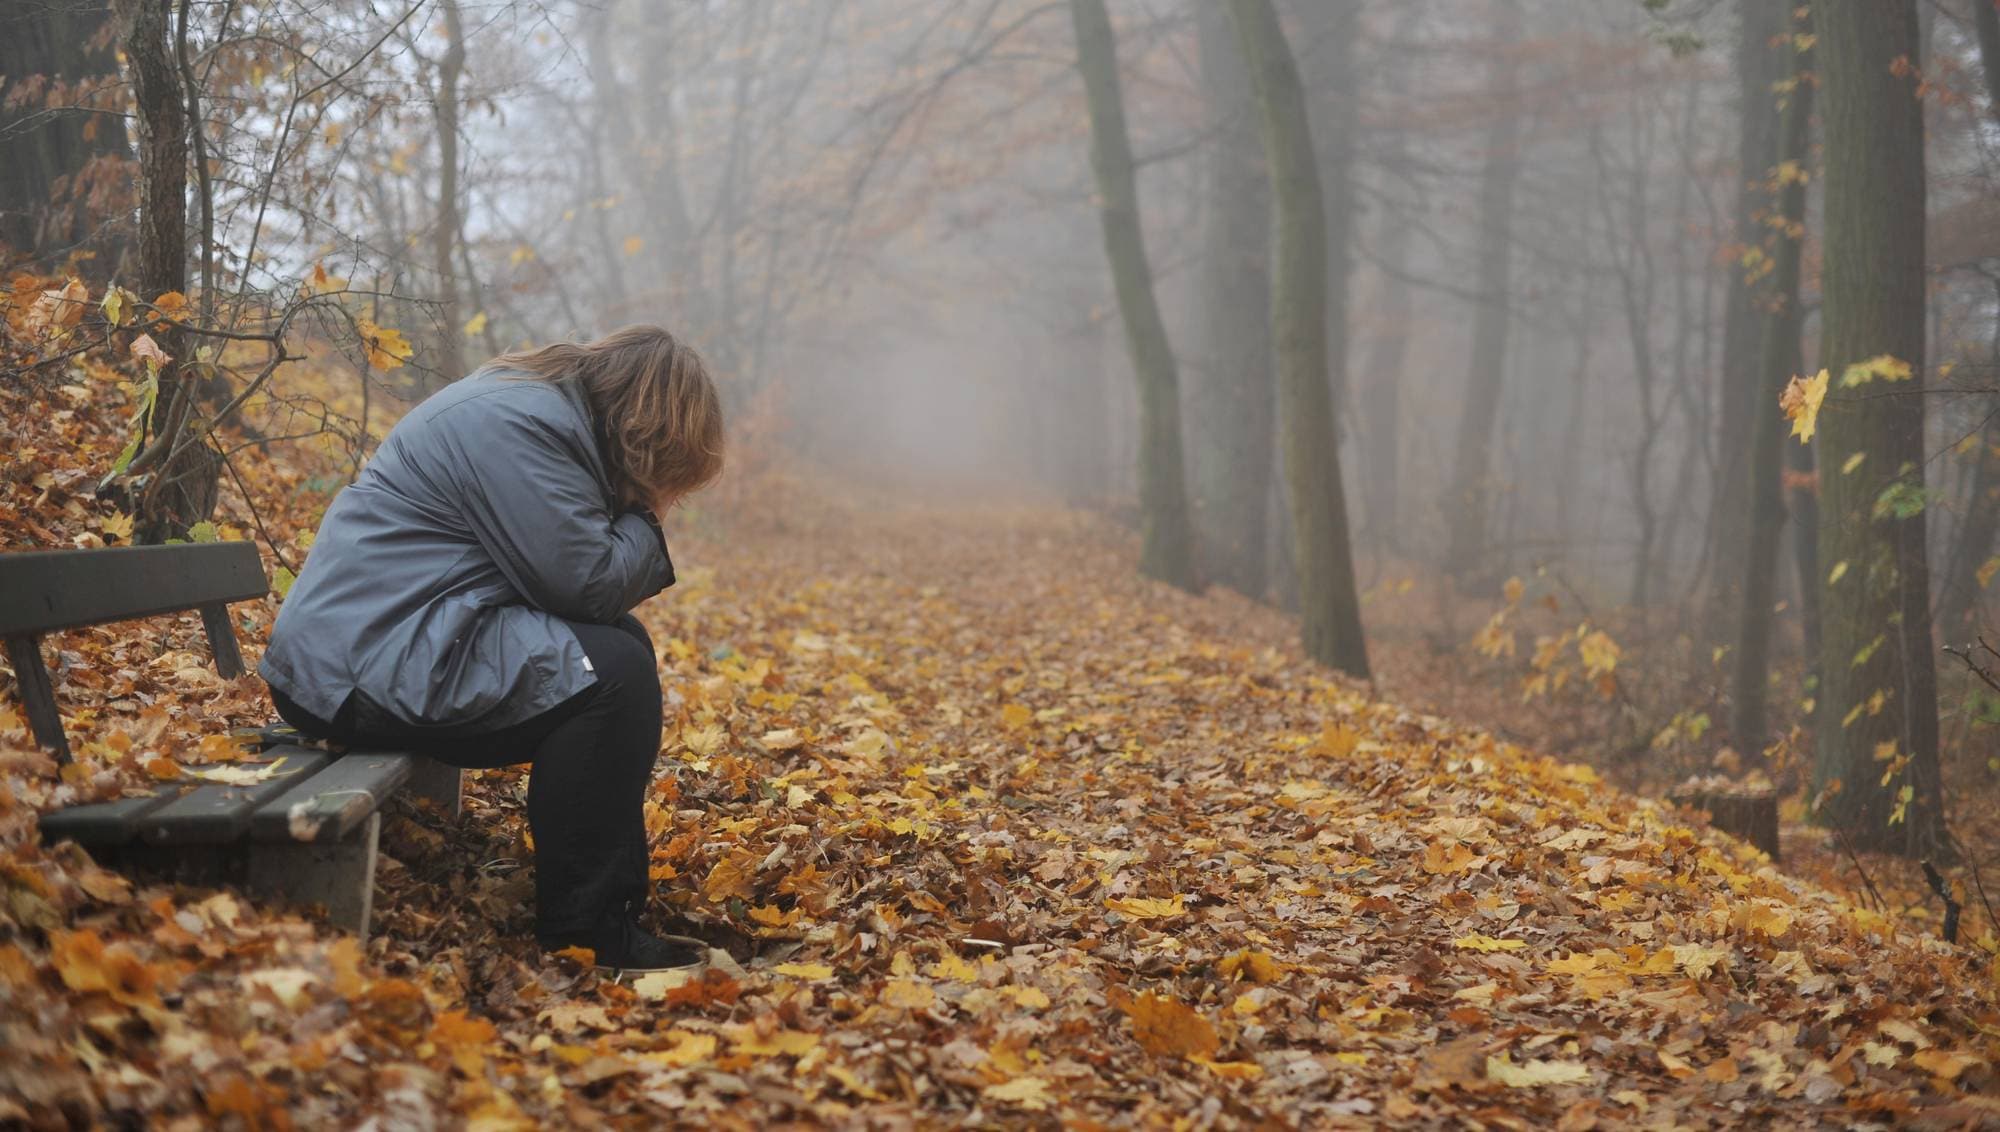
999	832
1231	882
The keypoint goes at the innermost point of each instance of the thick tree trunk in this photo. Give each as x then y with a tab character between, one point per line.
1777	299
1469	498
1168	552
1231	433
1877	768
1309	310
178	489
45	210
1760	63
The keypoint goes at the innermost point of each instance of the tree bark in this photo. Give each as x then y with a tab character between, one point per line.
179	487
1877	726
1469	498
1168	552
1759	64
1960	584
45	210
450	361
1231	433
1777	299
1309	312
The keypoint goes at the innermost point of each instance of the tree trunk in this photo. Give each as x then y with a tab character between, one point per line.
1231	402
1960	586
1877	768
1470	495
1777	298
178	489
1982	514
45	212
1309	311
1759	65
450	359
1168	552
1379	400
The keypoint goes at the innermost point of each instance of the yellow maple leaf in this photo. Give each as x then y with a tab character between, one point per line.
1529	1074
1598	652
809	971
1231	1070
1986	571
1031	1093
386	346
1883	366
1801	401
1698	961
1147	907
1939	1063
688	1049
732	876
1169	1028
1488	943
908	994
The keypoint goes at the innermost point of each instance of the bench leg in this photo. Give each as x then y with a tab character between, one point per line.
339	875
222	640
38	695
440	784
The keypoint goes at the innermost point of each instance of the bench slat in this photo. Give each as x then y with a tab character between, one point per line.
45	590
101	823
334	802
216	814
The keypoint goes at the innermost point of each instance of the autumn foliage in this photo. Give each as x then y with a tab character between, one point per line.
986	829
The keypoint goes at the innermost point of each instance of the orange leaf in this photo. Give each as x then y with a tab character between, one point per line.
1169	1028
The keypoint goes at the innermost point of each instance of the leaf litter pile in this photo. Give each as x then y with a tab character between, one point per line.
985	829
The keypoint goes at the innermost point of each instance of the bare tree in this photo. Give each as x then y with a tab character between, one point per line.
1168	552
1306	313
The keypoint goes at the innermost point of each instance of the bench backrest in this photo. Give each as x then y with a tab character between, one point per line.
45	590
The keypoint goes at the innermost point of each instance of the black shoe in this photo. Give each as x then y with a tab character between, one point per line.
622	947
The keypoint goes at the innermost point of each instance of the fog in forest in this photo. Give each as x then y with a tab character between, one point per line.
1418	319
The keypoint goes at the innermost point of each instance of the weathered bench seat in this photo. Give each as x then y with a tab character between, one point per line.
308	832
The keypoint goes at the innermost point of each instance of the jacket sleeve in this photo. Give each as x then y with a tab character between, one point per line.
528	493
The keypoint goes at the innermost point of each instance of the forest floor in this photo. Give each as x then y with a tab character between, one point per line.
991	831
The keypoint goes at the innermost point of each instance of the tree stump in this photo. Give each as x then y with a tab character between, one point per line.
1745	810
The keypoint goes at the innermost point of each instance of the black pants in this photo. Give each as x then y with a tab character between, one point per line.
592	757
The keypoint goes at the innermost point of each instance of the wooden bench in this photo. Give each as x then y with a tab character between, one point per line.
306	831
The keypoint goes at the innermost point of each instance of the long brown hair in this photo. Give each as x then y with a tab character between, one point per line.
656	407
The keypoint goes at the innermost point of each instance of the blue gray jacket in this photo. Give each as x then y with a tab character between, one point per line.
439	583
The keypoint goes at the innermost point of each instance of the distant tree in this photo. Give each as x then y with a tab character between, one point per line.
56	67
1469	498
1777	301
1168	552
1231	426
1876	775
1959	586
1304	319
1762	49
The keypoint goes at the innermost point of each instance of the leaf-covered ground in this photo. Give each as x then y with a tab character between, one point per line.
992	832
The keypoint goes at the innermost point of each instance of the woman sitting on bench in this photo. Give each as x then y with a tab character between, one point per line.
467	598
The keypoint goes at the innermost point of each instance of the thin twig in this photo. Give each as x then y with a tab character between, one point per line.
1881	905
